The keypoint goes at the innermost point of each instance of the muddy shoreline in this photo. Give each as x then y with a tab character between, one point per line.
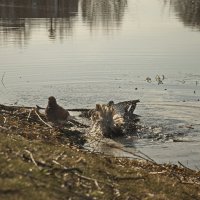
44	163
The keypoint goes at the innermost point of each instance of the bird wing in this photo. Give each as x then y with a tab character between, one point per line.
120	107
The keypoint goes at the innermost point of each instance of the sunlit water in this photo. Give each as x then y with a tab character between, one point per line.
92	51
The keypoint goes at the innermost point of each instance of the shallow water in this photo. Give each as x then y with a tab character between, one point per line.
91	51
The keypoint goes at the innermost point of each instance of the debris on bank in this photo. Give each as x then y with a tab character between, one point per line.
108	120
51	161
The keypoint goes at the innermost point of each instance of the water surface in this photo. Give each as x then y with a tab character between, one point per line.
92	51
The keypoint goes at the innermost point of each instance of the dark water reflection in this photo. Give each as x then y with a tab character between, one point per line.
104	12
38	9
18	18
188	11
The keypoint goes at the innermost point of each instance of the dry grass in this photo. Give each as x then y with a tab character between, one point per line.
38	162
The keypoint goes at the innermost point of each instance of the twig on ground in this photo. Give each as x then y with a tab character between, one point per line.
138	156
66	168
14	108
39	108
128	178
43	120
4	128
5	119
154	173
89	179
50	167
184	182
183	165
31	156
29	114
59	156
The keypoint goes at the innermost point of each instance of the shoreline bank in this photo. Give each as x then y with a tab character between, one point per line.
38	162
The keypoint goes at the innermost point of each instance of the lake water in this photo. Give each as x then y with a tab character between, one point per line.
91	51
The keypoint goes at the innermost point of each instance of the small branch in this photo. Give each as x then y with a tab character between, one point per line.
183	165
3	79
184	182
43	120
39	108
50	167
147	157
4	128
31	156
66	169
128	178
100	140
89	179
13	108
70	109
5	119
29	114
154	173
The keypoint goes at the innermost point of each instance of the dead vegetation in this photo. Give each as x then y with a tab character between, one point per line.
40	162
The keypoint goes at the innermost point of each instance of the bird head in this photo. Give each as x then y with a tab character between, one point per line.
110	103
52	101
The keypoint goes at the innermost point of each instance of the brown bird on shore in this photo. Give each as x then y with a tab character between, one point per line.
56	113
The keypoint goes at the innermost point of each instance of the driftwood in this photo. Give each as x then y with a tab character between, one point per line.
108	120
13	108
70	109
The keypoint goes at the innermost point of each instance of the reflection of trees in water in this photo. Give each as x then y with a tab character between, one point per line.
19	31
188	11
19	18
14	30
106	12
61	27
38	8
